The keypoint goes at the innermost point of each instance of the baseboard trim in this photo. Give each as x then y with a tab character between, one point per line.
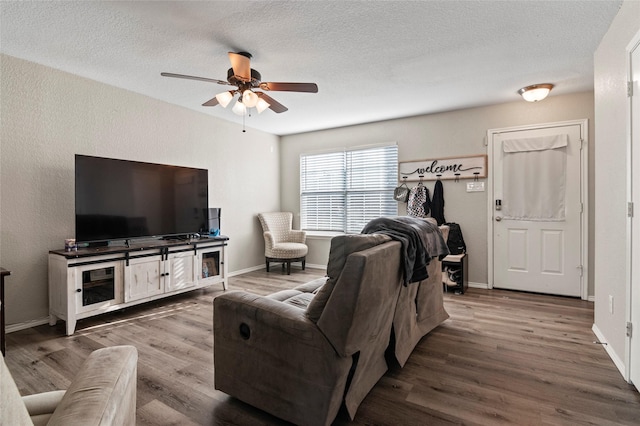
244	271
612	354
483	286
311	265
10	328
259	267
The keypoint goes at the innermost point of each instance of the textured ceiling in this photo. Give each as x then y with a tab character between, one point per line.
372	60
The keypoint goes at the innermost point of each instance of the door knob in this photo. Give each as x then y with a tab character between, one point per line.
498	218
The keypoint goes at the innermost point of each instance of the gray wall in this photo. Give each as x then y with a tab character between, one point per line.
47	116
612	115
455	133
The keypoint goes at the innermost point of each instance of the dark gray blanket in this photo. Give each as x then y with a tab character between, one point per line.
421	241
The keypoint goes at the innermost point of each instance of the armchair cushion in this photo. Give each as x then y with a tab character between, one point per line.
300	296
287	250
300	300
42	405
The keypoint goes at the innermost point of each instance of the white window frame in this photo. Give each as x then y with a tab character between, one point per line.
340	191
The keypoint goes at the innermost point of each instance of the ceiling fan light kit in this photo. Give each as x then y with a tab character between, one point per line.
262	105
239	108
247	80
224	98
249	99
535	92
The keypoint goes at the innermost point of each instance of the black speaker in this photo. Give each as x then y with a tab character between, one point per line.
214	221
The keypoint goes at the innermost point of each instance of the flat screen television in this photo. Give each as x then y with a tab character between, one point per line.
120	199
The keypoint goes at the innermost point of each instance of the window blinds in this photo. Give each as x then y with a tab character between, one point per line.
342	191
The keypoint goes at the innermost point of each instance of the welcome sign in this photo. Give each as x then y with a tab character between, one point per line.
472	167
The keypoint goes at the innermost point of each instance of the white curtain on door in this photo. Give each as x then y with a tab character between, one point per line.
534	178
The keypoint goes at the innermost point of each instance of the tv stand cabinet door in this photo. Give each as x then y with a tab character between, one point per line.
143	278
212	266
181	271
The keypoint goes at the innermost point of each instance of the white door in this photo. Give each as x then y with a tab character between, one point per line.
634	361
537	209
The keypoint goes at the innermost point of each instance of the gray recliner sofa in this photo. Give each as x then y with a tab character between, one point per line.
300	354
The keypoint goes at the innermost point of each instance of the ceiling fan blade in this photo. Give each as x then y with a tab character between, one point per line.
191	77
290	87
274	105
211	102
241	65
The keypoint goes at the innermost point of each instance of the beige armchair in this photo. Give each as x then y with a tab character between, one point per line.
281	243
102	393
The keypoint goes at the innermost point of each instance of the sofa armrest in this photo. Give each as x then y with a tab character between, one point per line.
103	392
270	355
268	324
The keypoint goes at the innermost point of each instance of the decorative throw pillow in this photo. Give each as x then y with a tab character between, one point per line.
341	247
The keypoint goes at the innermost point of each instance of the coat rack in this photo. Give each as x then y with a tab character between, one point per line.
471	167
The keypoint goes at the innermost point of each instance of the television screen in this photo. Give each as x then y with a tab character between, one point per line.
119	199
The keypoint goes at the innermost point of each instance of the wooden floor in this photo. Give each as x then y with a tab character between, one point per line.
503	358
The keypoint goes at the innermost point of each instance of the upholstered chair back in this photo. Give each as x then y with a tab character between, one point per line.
277	223
281	243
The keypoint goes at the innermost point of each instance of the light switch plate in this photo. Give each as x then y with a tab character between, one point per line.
475	186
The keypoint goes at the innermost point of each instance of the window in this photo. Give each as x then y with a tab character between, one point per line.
342	191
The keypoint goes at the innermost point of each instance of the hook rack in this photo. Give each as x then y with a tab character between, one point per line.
445	167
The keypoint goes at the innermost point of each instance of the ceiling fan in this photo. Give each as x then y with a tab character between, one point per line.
247	80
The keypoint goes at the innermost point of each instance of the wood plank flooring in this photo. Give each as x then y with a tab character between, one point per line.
502	358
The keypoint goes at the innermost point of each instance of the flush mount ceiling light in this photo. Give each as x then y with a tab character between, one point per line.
535	92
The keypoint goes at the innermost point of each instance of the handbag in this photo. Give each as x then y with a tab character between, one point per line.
417	199
401	193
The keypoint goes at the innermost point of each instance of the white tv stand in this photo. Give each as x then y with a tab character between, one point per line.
93	281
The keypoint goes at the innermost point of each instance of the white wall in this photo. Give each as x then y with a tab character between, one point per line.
448	134
611	103
47	116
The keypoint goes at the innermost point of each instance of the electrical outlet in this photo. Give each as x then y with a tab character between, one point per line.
610	304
